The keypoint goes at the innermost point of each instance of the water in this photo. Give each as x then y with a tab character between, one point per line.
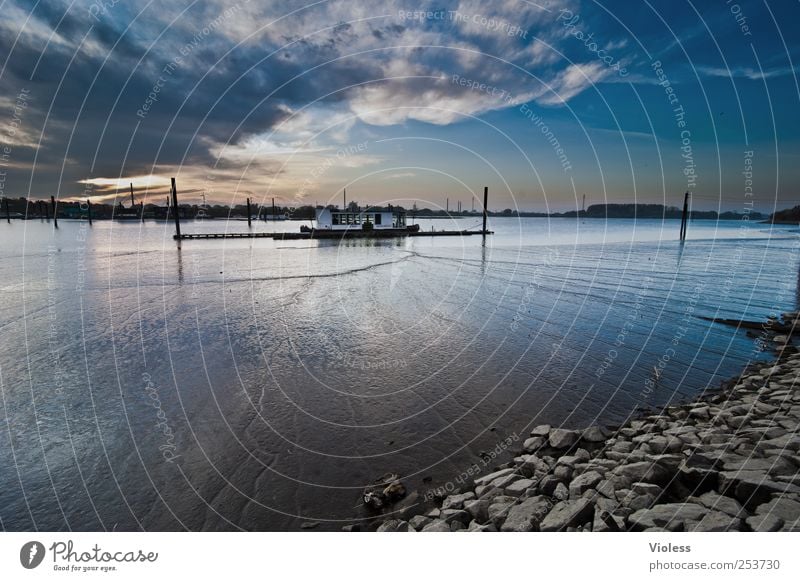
257	384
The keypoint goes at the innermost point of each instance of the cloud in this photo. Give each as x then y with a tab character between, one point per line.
746	72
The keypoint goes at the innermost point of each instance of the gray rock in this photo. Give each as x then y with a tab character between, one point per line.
643	472
548	484
562	472
594	434
394	526
606	488
786	509
720	503
457	500
560	438
451	514
584	482
478	509
670	516
437	526
568	513
486	479
714	522
752	487
561	492
527	515
533	466
534	443
498	512
764	523
542	430
520	487
474	527
419	522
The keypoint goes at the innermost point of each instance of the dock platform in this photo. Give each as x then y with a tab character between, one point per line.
330	235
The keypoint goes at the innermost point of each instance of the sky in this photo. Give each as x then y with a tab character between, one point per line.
403	102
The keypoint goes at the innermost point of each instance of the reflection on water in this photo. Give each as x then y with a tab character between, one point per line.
245	383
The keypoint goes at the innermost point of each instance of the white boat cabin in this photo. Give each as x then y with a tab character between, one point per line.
351	219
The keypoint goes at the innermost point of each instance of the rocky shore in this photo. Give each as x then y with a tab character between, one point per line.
729	461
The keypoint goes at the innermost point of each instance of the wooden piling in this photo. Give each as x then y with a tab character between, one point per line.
249	223
55	215
8	212
485	209
685	216
175	210
274	217
89	207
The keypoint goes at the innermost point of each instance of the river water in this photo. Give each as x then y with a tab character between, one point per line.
259	384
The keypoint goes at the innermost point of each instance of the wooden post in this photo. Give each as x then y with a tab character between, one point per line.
485	209
55	216
175	211
685	216
43	213
89	206
133	202
8	213
248	213
274	217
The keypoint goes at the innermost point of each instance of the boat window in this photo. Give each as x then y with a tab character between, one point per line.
336	219
378	219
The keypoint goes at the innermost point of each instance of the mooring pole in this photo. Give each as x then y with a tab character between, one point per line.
685	216
133	202
274	217
248	213
175	211
8	213
55	215
485	210
89	206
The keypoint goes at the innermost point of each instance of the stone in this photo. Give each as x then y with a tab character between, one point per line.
643	472
452	514
548	484
583	482
498	512
561	492
474	527
520	487
752	487
533	444
714	522
670	516
533	466
764	523
560	438
720	503
604	521
478	509
786	509
457	500
542	430
527	515
562	472
419	522
394	526
594	434
568	513
486	479
437	526
606	488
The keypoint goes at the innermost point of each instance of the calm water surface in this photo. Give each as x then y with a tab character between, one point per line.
258	384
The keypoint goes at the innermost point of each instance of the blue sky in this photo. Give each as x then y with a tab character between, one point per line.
404	101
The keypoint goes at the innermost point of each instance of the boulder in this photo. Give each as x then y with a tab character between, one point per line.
714	522
752	487
486	479
457	500
786	509
720	503
568	513
452	514
584	482
594	434
562	472
542	430
560	438
561	492
643	472
671	516
419	522
764	523
474	527
520	487
394	526
534	443
527	515
478	509
437	526
548	484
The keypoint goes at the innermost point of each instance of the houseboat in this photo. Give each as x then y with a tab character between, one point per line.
354	221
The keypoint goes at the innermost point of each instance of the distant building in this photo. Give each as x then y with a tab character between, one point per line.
351	219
